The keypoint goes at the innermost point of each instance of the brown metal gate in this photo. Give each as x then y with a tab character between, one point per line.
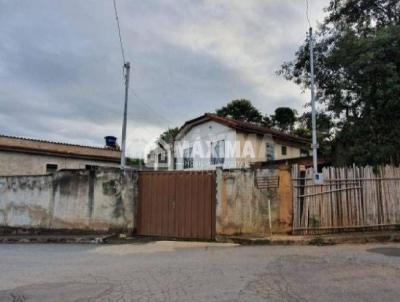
177	204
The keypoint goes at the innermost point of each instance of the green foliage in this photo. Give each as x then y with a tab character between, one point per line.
284	118
357	78
324	122
303	132
135	162
241	110
320	241
169	135
325	130
267	121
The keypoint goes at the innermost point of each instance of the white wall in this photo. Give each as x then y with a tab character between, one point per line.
15	163
241	149
200	137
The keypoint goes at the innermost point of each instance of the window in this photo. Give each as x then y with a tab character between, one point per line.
218	153
284	150
51	168
270	151
162	157
188	158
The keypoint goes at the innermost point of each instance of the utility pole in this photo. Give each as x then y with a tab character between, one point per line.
127	68
314	145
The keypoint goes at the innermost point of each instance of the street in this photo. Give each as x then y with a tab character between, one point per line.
188	271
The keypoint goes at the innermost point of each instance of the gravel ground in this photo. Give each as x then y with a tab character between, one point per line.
185	271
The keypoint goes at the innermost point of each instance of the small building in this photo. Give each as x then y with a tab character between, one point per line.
158	158
23	156
211	141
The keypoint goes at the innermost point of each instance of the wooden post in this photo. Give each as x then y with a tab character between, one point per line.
285	197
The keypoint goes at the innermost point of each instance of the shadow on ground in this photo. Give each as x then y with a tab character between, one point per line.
387	251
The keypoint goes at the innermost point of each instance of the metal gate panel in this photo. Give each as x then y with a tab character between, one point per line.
177	204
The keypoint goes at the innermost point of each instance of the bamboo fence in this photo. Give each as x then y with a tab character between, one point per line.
349	199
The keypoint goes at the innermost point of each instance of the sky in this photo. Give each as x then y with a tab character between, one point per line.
61	67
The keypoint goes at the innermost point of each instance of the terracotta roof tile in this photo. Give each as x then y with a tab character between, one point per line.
52	142
44	147
247	127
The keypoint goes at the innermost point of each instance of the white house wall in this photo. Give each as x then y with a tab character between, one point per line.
201	136
252	148
241	148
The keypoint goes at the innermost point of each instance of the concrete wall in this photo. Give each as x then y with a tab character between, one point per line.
16	163
242	208
99	200
291	151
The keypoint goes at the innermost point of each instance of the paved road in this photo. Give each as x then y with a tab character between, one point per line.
179	271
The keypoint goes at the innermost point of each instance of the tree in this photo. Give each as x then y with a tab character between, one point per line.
284	118
325	130
241	110
135	162
324	122
169	135
267	121
357	64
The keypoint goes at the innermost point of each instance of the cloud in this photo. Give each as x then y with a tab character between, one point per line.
251	37
61	73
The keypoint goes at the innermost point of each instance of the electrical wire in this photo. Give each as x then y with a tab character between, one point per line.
119	33
161	117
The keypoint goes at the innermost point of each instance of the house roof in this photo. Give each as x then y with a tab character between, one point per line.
50	148
241	126
306	161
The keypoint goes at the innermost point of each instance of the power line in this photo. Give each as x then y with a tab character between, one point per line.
140	102
119	33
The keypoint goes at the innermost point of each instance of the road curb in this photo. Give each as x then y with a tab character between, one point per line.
71	239
318	240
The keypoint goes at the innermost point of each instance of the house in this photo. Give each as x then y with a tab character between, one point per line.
211	141
158	158
24	156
